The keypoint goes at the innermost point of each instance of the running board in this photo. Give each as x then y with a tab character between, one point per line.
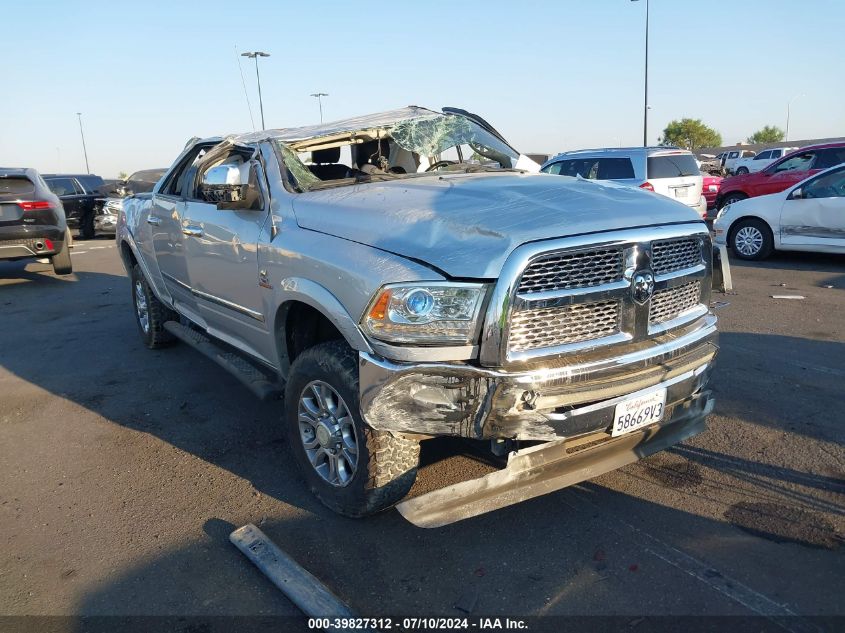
545	468
262	382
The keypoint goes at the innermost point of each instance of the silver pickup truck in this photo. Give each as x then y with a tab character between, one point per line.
407	275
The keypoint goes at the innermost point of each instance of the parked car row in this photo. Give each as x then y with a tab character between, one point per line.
782	173
807	216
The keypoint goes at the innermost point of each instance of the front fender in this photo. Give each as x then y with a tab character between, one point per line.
293	289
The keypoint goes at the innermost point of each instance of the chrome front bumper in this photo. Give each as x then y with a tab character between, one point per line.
573	397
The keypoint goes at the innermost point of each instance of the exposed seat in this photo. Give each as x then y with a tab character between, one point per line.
325	165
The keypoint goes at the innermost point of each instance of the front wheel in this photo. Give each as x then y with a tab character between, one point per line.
752	239
351	468
731	198
741	170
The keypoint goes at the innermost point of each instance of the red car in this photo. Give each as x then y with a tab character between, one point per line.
783	173
710	188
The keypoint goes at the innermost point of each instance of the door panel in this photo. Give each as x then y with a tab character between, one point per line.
817	219
168	244
222	256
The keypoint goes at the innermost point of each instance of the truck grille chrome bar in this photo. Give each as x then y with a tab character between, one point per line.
596	291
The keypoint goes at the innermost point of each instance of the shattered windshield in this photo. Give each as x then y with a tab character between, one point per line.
417	146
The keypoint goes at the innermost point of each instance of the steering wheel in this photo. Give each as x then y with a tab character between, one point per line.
441	163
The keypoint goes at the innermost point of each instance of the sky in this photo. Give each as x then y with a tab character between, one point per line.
550	75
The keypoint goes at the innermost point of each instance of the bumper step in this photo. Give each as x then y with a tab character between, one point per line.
262	382
548	467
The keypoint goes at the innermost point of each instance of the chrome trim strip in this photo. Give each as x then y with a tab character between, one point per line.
229	304
214	299
580	346
684	317
178	282
612	402
636	244
552	298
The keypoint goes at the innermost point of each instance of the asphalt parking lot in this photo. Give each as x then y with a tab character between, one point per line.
124	470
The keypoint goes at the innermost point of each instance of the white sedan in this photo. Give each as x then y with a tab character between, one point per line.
809	216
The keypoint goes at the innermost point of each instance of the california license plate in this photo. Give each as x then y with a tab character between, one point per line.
639	411
681	192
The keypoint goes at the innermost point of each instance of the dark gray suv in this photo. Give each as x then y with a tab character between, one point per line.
32	220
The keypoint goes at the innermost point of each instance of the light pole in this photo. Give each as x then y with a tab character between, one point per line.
788	106
255	55
320	96
82	134
645	87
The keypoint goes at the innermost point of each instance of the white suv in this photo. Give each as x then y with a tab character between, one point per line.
669	171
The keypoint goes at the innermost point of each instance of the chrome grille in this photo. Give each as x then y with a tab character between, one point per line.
550	327
668	256
562	271
570	295
669	303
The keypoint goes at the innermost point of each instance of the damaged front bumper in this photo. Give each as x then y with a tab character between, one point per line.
544	468
572	398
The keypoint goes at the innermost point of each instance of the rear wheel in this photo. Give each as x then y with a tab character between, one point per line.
61	260
350	467
150	313
752	239
741	170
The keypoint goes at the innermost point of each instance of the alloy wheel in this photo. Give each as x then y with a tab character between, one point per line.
748	240
328	434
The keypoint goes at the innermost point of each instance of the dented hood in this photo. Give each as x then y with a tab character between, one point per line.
467	224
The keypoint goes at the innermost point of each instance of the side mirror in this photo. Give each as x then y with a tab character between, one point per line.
228	187
796	194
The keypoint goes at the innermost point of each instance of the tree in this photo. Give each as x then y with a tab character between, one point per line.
690	134
122	175
769	134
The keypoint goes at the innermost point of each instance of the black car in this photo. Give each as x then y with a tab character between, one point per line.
81	195
32	220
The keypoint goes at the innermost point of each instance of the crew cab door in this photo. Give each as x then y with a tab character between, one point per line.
221	246
161	234
814	213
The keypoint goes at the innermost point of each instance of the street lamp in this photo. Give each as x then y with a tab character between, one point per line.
320	96
645	88
82	134
255	55
788	106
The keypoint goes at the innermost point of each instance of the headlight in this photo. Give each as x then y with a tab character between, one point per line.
432	313
723	211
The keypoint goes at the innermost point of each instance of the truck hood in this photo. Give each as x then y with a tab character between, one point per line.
467	224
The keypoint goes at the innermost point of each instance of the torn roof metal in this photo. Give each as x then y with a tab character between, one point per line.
344	126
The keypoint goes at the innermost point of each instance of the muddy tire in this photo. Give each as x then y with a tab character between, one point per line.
61	260
150	313
351	468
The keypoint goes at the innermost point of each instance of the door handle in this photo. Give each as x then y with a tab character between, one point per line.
151	219
192	230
